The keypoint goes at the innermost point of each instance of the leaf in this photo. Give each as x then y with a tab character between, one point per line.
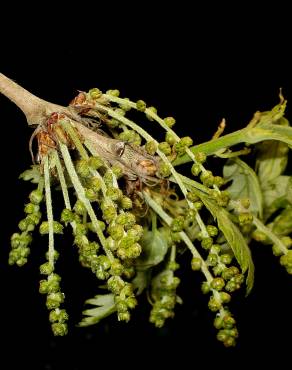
282	224
245	184
234	238
272	158
33	174
105	306
141	280
154	248
277	194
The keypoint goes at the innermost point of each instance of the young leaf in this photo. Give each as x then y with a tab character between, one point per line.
272	158
277	194
154	247
234	238
105	306
245	184
33	174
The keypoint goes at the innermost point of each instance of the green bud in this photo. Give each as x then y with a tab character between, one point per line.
79	208
141	105
169	121
131	302
232	286
218	283
91	195
44	228
114	92
95	184
59	329
129	272
95	93
67	215
198	205
214	305
164	170
126	219
114	193
151	147
173	266
196	263
207	243
109	214
170	139
126	203
286	259
134	250
245	218
177	224
212	230
116	231
36	196
125	106
151	110
58	315
46	268
31	208
81	229
54	300
228	322
212	259
95	162
207	178
116	268
121	306
200	157
82	168
117	171
219	181
287	241
226	258
124	316
218	322
230	272
115	284
225	297
205	287
43	288
164	147
196	169
23	225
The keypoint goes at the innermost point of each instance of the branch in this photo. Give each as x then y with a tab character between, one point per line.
35	109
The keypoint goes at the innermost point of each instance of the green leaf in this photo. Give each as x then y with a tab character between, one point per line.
234	238
33	174
277	194
245	184
154	248
282	224
272	158
105	306
141	281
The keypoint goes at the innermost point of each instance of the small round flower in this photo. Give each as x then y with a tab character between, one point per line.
212	230
36	196
95	162
113	92
169	121
218	283
151	147
164	147
54	300
141	105
117	171
207	178
205	287
164	170
114	193
212	259
151	110
196	263
207	243
67	215
177	224
31	208
46	268
200	157
196	169
116	231
59	329
126	202
214	305
226	258
115	284
95	93
82	168
170	138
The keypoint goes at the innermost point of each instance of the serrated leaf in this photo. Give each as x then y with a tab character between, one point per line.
272	158
245	184
154	248
234	238
277	194
33	174
105	306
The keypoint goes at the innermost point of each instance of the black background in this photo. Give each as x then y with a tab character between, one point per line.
197	66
